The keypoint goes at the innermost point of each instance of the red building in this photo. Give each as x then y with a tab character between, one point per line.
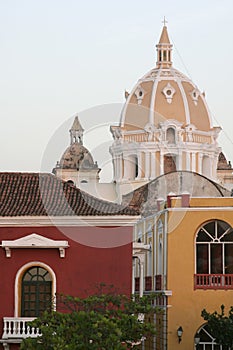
56	239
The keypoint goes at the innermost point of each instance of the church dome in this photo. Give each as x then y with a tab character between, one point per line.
76	156
164	93
165	126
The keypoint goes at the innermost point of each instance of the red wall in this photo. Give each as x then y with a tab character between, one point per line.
95	255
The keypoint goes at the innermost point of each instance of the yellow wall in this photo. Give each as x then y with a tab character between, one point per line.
187	303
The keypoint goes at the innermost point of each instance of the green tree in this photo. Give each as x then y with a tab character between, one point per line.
98	322
220	326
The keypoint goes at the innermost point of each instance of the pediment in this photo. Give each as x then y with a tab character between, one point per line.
35	241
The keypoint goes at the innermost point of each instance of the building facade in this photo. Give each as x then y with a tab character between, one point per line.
56	239
190	263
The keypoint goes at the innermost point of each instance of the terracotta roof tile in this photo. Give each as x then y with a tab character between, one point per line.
41	194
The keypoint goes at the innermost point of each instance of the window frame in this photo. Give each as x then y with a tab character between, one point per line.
18	284
215	245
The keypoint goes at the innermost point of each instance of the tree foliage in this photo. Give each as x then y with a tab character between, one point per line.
98	322
220	326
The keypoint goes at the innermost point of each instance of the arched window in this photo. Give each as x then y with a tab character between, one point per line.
207	340
214	255
171	137
36	291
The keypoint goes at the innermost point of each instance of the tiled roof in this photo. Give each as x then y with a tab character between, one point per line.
41	194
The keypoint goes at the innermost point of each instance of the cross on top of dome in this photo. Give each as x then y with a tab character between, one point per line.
164	21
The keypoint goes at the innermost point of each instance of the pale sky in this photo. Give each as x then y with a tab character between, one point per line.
62	57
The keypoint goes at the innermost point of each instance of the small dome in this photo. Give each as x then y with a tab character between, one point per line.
76	156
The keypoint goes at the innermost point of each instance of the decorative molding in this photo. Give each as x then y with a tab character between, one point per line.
168	92
140	248
33	241
69	221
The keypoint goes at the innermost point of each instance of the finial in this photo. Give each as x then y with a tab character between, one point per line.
164	21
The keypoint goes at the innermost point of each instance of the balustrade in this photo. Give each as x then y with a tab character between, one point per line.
17	327
213	281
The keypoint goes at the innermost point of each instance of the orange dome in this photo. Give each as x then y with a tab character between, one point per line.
165	93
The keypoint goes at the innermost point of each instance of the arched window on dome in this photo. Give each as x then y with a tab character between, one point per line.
214	256
171	136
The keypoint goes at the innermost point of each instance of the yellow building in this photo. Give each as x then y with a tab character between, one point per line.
190	258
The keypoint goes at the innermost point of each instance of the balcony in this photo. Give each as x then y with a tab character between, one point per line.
213	281
18	328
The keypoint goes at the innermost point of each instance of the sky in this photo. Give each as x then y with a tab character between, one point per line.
60	58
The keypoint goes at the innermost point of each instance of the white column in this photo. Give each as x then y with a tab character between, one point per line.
187	161
133	274
193	161
200	157
147	165
153	165
118	168
139	165
179	161
141	287
161	163
114	168
126	167
211	166
215	162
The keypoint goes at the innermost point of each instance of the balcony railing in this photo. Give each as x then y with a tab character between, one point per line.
17	327
213	281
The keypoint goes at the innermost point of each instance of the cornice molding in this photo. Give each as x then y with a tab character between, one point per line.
78	221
